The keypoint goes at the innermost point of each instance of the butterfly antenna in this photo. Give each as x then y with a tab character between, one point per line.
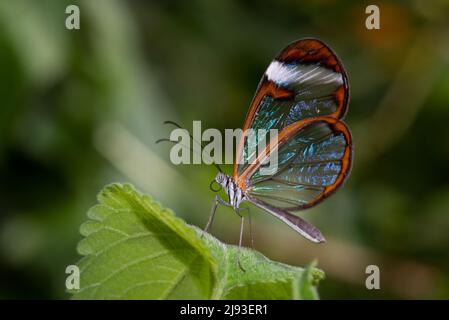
173	123
191	137
174	142
164	140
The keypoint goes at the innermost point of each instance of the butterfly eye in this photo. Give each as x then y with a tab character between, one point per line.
220	178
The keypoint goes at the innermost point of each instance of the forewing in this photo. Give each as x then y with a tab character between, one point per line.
304	80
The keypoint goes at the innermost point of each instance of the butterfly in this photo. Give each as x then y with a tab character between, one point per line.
304	94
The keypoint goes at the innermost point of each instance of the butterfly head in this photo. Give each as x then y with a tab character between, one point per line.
221	179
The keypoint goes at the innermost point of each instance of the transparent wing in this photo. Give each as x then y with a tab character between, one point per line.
313	160
305	80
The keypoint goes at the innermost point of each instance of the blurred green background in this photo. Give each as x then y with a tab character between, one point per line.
83	108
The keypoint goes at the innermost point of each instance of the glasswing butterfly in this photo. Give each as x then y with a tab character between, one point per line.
304	94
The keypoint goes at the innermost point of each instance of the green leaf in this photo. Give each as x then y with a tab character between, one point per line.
135	249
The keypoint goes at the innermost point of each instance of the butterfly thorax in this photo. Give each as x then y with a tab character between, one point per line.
234	192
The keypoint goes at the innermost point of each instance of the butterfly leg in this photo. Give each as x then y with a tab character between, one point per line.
240	242
217	201
250	225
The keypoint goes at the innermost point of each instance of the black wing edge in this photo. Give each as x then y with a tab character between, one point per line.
298	224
